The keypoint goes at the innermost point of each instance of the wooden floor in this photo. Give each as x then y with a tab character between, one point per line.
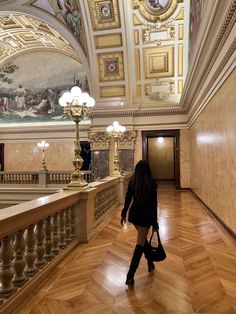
198	276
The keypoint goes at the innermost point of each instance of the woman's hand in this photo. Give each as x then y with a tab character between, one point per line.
123	221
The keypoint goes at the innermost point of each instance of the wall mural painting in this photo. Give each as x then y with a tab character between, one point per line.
68	11
196	11
32	96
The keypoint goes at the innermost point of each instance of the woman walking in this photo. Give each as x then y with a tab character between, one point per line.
142	191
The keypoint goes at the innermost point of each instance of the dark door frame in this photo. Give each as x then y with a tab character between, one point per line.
2	156
164	133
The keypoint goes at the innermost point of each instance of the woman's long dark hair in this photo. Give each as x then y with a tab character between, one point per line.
142	181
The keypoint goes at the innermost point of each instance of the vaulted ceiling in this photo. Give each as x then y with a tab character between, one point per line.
135	52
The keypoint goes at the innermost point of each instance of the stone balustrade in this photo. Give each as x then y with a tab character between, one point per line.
42	178
36	235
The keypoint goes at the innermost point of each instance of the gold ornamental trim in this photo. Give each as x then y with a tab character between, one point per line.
153	11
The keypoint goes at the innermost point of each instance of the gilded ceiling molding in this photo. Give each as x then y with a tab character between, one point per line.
166	27
104	14
111	67
160	90
127	141
112	91
99	140
108	41
153	11
159	62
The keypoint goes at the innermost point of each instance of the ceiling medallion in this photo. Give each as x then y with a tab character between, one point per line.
158	6
156	10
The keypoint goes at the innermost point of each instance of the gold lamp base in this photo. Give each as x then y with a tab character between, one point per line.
77	180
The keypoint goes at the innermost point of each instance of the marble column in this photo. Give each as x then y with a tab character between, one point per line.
99	145
126	145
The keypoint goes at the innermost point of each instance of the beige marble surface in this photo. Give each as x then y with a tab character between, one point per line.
213	153
184	159
138	148
26	156
161	158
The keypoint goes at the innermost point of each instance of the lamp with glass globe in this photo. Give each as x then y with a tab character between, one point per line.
43	145
77	106
116	131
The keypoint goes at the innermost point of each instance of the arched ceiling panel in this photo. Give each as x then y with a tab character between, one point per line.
19	33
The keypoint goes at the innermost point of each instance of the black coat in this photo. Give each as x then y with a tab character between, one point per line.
141	214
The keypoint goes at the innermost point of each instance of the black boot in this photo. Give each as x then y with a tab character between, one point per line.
146	250
138	251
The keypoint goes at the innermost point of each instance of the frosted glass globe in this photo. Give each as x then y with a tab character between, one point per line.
84	97
62	101
76	91
91	102
68	97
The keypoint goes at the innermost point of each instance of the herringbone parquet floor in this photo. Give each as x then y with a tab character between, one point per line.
198	276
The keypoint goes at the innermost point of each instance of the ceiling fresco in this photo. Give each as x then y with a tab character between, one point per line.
137	50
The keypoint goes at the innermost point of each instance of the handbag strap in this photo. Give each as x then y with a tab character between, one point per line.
158	236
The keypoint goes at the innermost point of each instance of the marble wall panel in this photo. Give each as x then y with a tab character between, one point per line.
99	164
213	154
126	158
26	156
184	159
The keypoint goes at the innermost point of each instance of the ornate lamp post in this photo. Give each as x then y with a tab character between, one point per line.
77	106
43	145
116	131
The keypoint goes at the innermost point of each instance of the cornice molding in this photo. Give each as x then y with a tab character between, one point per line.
213	64
137	113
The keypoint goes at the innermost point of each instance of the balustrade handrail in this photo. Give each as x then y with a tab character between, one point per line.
22	215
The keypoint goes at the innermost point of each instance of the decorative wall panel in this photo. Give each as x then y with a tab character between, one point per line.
112	91
108	41
126	158
104	14
154	11
159	62
100	164
111	66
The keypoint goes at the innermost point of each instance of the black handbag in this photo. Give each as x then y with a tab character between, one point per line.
157	253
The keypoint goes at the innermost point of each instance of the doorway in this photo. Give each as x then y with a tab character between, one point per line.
1	157
161	150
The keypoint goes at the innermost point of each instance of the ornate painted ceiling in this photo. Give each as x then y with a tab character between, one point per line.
135	53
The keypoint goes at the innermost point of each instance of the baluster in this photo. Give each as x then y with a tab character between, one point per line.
40	248
19	259
67	225
30	254
62	233
48	239
72	222
56	238
6	269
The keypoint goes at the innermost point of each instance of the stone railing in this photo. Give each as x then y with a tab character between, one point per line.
36	235
19	177
41	178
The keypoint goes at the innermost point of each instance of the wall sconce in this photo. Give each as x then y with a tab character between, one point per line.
116	131
43	145
77	105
